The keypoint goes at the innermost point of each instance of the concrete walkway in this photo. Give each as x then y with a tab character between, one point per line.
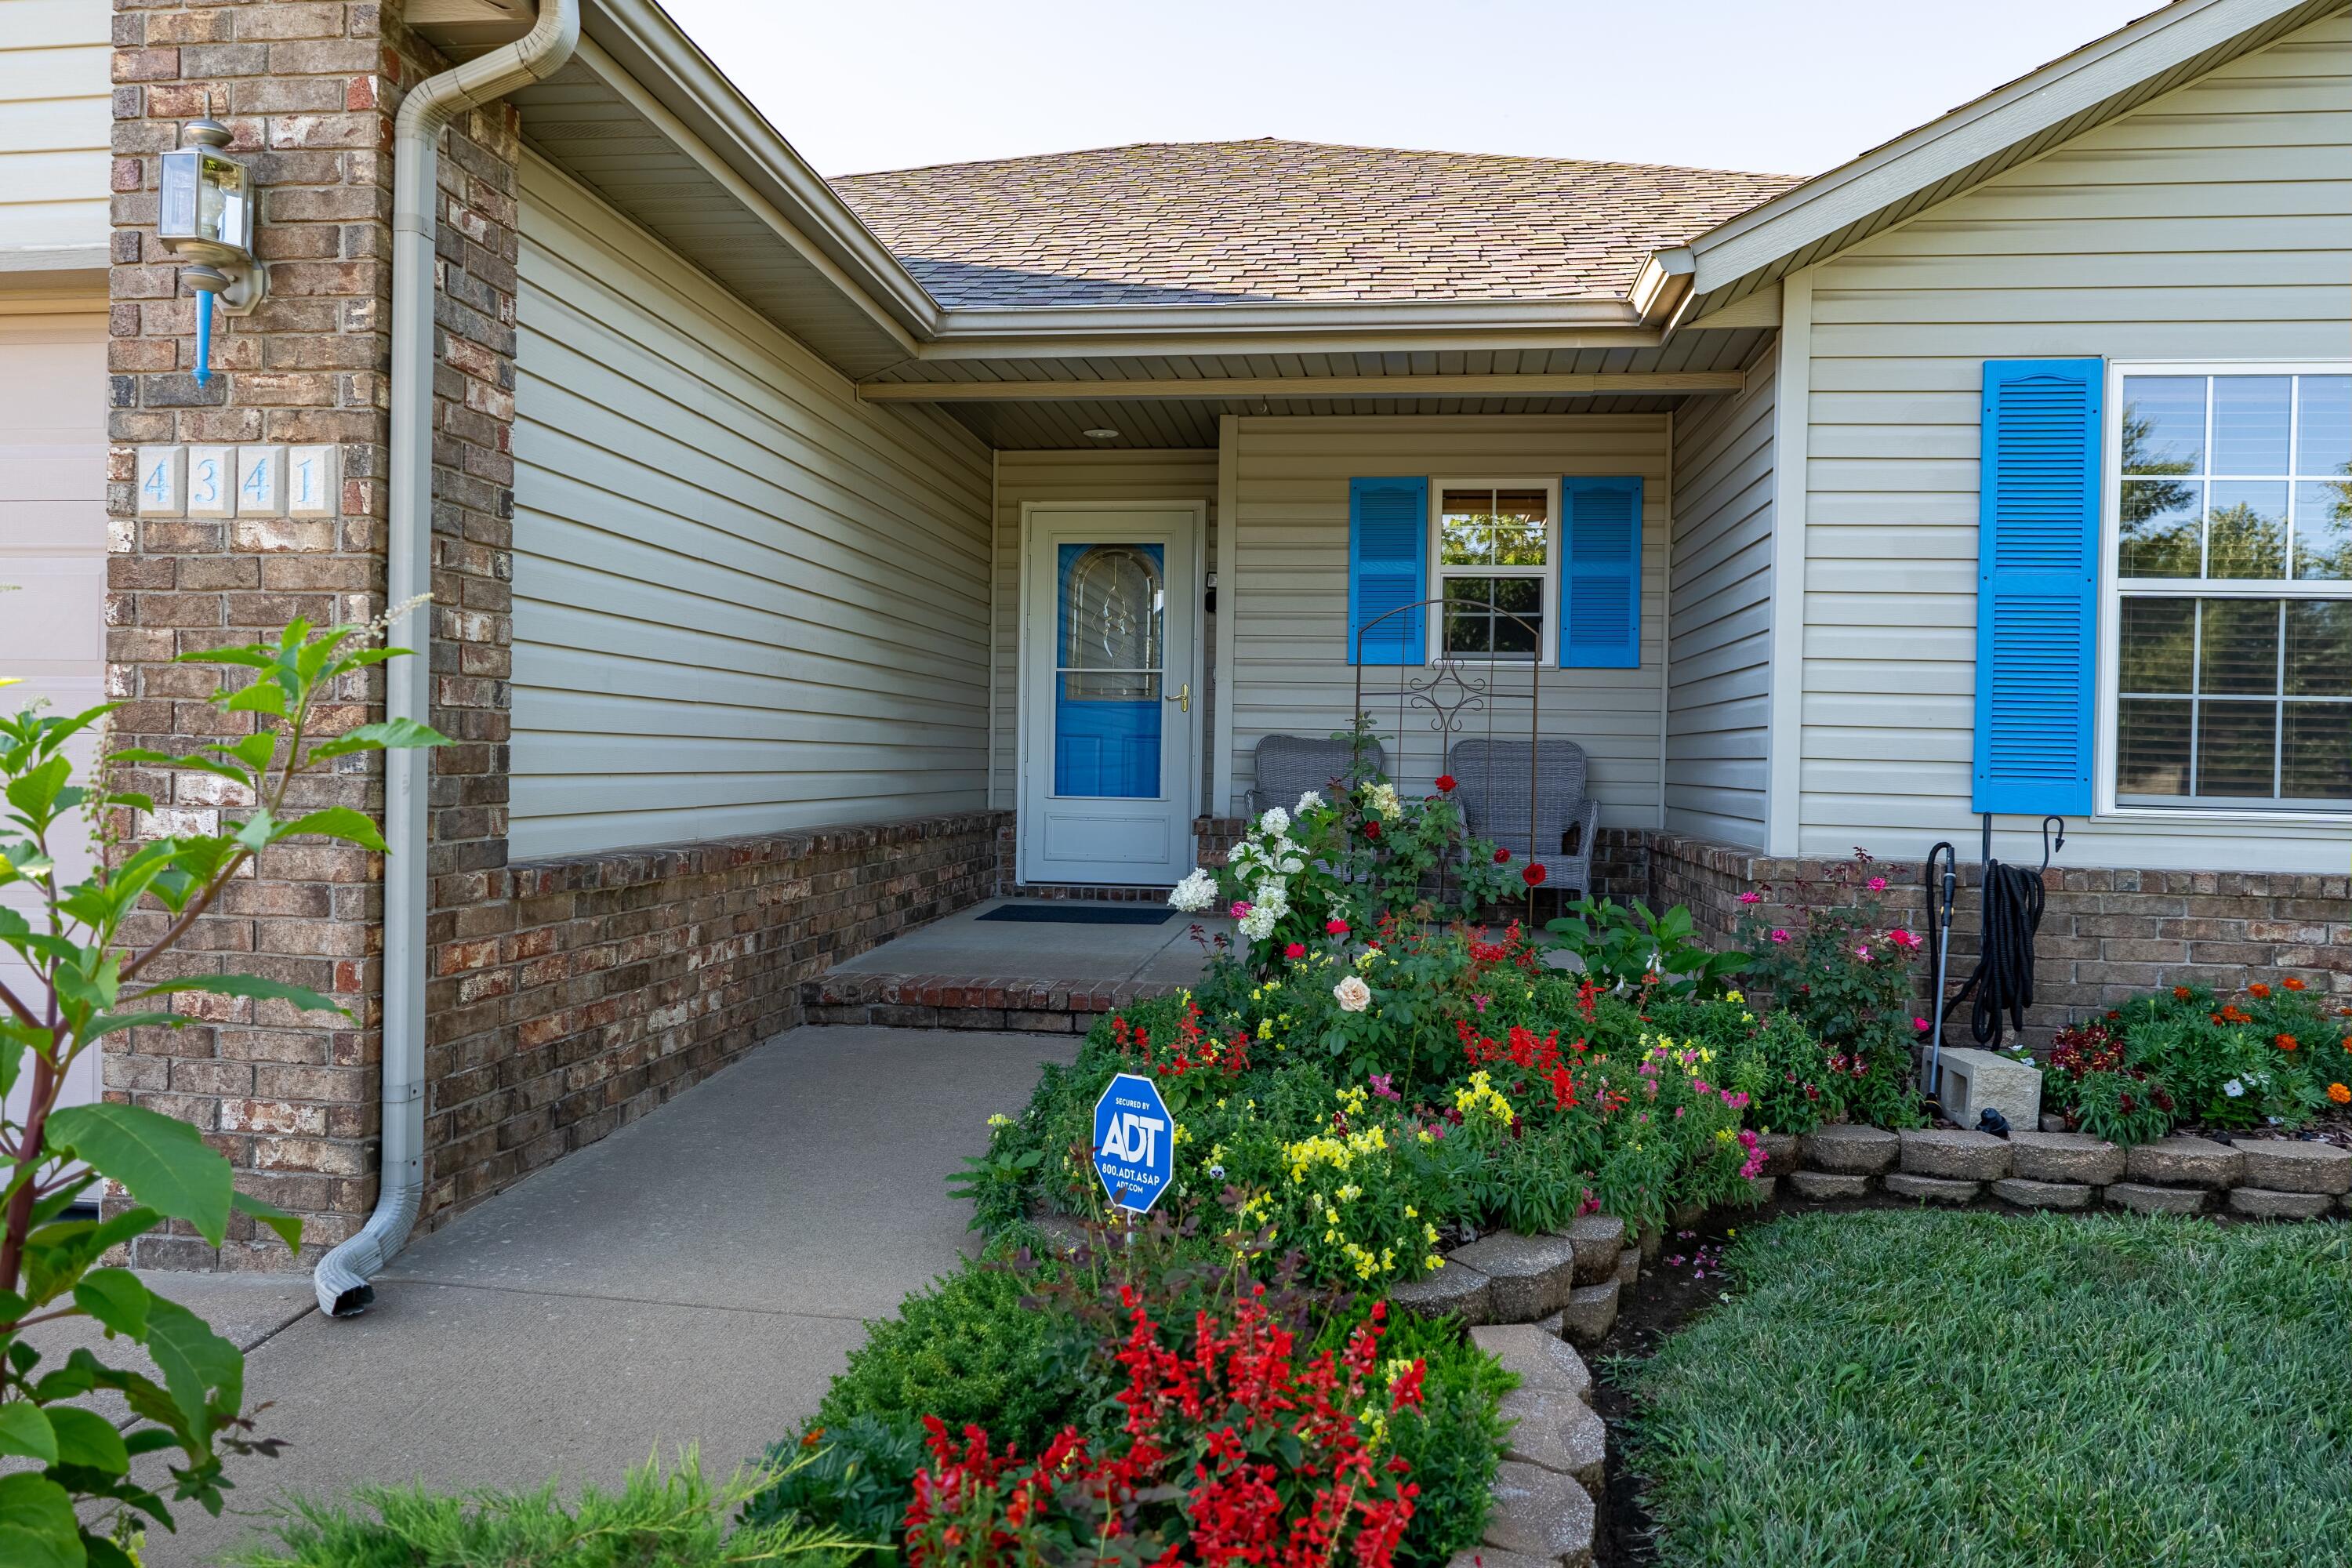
698	1277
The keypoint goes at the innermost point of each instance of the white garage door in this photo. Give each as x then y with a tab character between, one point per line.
53	535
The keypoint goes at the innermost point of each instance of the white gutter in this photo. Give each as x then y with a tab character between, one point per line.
341	1276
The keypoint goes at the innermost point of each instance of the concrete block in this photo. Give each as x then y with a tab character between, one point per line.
2064	1157
2292	1166
1932	1189
1629	1266
1548	1517
1591	1313
2184	1162
1975	1081
1954	1154
1530	1275
1823	1186
2262	1203
1453	1291
1598	1238
1559	1432
2037	1195
1539	1358
1851	1151
2141	1198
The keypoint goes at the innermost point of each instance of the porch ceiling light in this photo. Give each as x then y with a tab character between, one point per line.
1100	434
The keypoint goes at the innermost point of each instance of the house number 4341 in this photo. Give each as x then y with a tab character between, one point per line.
236	481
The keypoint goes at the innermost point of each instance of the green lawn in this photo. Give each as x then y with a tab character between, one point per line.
1992	1391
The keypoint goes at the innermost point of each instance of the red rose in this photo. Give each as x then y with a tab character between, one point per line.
1371	829
1533	875
1502	856
1335	927
1295	951
1446	784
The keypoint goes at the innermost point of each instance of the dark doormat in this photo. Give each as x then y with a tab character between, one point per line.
1075	914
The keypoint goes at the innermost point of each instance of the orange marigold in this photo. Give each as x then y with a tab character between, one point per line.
2285	1042
2339	1094
2181	994
2292	984
2258	990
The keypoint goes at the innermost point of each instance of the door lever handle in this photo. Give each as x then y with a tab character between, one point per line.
1184	698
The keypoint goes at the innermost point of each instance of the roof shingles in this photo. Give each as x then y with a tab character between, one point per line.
1212	223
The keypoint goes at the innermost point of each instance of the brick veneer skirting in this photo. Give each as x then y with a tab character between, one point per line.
2107	933
628	976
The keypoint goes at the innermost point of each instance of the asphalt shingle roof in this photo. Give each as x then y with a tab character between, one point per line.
1211	223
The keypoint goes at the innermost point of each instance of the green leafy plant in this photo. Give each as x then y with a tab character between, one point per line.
1629	945
95	972
678	1520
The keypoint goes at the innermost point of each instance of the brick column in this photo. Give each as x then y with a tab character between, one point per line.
310	87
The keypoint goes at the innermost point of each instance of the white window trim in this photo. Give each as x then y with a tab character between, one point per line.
2109	674
1548	652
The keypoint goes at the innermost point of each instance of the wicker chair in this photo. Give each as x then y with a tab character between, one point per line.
1290	765
1492	779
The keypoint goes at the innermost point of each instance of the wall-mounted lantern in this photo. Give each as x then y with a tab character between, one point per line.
206	216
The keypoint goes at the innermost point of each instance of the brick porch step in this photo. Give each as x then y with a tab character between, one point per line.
969	1001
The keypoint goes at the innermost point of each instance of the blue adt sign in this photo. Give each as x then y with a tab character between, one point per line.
1135	1142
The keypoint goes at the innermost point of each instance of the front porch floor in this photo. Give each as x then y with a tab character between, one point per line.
968	972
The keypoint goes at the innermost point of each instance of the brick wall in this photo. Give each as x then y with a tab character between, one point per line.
309	87
615	981
2106	933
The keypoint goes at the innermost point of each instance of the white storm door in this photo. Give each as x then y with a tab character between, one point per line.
53	558
1109	708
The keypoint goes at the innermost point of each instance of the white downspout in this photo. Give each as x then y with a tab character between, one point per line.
341	1276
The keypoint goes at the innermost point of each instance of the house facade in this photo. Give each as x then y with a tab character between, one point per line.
809	560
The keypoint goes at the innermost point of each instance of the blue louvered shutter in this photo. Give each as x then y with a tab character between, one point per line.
2037	585
1388	568
1600	573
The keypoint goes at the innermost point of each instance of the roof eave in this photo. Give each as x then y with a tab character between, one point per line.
1750	246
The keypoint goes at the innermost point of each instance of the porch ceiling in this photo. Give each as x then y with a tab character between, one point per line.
1043	407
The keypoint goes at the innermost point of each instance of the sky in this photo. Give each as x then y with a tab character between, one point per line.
1769	86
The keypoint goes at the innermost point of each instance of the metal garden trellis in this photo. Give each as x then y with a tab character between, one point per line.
1448	696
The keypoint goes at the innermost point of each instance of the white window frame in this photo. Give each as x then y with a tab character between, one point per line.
1548	649
2109	674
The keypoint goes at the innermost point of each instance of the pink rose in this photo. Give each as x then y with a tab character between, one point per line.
1751	897
1878	884
1921	1024
1241	909
1863	953
1903	939
1779	935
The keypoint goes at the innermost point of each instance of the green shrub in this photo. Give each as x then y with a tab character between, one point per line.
654	1520
968	1351
854	1477
1452	1442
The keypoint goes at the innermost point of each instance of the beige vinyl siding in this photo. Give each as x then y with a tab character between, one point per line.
2214	223
743	601
1289	595
55	122
1718	698
1104	475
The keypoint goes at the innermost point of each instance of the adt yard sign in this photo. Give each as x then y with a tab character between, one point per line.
1135	1142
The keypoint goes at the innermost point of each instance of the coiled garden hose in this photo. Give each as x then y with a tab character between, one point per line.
2001	985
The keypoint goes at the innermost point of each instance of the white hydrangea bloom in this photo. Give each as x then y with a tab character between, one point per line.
1275	822
1383	797
1194	893
1310	801
1273	896
1258	924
